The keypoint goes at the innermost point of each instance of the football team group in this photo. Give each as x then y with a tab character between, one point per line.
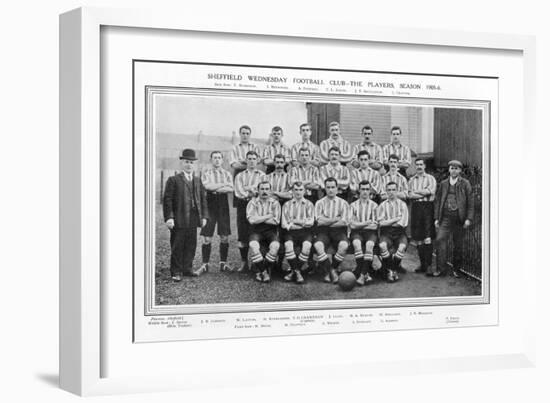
325	200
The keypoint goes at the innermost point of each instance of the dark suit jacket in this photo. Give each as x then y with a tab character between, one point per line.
464	199
177	201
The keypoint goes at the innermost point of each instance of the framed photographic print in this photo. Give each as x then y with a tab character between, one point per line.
432	123
224	191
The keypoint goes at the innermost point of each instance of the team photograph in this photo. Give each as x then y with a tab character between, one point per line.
268	200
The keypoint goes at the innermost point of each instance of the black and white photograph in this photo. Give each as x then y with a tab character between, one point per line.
239	196
275	200
272	190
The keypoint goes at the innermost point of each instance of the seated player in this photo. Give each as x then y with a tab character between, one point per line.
334	169
306	173
394	176
314	151
402	152
246	187
376	154
237	158
331	214
297	222
276	147
365	173
393	217
335	140
279	179
264	215
364	232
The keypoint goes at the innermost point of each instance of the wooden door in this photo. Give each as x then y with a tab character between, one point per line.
319	116
457	135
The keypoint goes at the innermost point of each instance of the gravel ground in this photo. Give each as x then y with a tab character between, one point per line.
224	287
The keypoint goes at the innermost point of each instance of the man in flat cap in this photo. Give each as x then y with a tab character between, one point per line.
453	214
185	209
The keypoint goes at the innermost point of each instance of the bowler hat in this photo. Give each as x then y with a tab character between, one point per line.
455	163
188	154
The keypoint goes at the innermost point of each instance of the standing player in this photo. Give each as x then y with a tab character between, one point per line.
402	152
314	151
246	185
237	160
331	214
297	222
334	169
264	215
375	151
364	231
393	217
422	187
184	208
218	184
277	147
394	176
454	214
365	173
280	180
306	173
335	140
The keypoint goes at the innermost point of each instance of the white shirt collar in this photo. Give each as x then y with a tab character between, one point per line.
453	181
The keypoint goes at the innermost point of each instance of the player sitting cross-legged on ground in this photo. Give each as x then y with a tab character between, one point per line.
364	232
297	222
331	214
393	217
264	215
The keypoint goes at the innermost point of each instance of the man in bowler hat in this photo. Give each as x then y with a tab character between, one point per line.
185	210
454	214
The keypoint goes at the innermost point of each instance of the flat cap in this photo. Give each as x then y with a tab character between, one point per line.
455	163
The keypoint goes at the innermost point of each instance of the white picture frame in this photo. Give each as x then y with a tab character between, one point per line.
82	180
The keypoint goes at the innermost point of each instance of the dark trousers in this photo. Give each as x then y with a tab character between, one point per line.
183	243
243	226
449	227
